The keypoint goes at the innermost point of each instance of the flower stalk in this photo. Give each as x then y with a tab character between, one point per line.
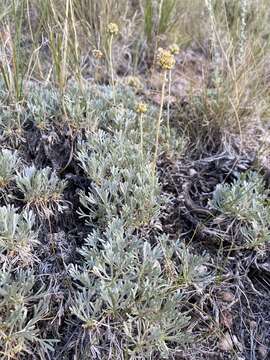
166	62
174	49
112	30
159	121
141	109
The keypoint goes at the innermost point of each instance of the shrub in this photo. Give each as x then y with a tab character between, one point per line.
17	236
78	107
246	200
43	105
9	162
11	125
122	181
89	108
132	296
22	308
42	190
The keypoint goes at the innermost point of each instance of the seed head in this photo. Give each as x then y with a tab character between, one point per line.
165	59
112	29
174	49
141	108
97	54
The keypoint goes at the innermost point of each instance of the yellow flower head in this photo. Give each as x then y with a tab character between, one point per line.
134	82
165	59
97	54
141	108
112	29
174	49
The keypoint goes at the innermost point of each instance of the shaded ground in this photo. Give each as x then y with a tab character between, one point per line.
238	304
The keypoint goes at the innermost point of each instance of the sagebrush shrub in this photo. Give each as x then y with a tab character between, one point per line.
43	105
17	236
9	163
246	200
90	108
78	107
42	190
11	119
134	294
22	307
122	181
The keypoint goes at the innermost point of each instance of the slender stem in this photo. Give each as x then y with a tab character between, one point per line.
111	67
141	132
168	108
159	121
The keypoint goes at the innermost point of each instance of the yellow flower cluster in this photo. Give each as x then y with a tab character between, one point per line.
97	54
134	82
165	59
141	108
174	49
112	29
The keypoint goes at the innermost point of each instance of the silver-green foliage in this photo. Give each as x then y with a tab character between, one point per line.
23	306
90	108
131	292
11	124
9	163
246	200
42	190
134	294
123	184
79	106
17	236
43	105
123	117
3	93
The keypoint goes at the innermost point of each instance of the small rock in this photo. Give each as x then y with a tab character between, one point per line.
227	296
192	172
226	343
253	324
202	269
262	349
